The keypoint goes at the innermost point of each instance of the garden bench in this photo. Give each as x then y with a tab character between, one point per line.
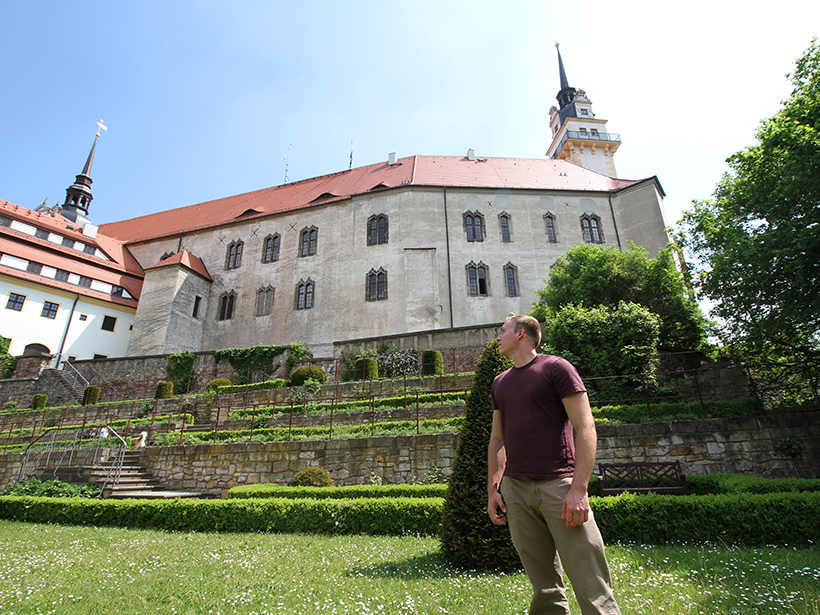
642	477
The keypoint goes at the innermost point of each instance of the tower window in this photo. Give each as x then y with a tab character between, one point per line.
549	219
270	251
504	221
376	285
594	133
309	237
474	226
477	280
582	131
15	302
584	112
304	295
377	230
264	301
234	256
591	229
226	305
511	279
197	304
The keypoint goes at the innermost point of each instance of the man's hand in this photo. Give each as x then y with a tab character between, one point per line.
575	509
494	503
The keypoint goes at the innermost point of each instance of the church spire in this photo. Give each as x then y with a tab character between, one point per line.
567	93
78	196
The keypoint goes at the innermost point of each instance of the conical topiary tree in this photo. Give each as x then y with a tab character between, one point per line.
469	539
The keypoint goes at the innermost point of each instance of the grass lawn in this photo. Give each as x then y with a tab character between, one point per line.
62	569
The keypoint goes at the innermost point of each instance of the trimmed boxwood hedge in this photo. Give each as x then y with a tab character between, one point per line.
277	490
742	519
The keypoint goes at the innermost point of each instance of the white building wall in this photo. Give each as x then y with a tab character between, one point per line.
84	338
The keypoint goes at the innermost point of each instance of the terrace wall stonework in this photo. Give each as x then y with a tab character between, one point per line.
703	447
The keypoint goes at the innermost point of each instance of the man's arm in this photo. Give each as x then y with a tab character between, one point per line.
576	504
496	462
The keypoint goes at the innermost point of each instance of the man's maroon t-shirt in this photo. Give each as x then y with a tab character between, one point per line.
536	430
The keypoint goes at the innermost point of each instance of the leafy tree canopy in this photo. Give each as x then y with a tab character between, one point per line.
592	276
757	241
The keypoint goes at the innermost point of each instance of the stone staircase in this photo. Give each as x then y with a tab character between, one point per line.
135	480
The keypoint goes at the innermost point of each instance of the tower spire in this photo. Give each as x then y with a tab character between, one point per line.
566	94
78	195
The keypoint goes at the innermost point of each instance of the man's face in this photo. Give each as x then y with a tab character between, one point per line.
507	339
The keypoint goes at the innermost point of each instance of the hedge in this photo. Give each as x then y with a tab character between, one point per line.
742	519
386	516
276	490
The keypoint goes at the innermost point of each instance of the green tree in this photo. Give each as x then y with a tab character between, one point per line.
604	341
756	243
591	276
469	539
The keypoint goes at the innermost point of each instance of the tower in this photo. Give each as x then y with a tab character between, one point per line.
577	135
78	195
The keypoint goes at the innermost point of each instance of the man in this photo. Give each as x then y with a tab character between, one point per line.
536	405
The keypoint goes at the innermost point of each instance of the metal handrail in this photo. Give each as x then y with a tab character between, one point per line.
60	362
574	134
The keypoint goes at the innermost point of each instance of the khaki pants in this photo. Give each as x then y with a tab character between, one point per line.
544	543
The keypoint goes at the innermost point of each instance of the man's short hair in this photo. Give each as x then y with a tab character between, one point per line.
531	327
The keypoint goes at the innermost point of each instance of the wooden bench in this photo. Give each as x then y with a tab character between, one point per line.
642	477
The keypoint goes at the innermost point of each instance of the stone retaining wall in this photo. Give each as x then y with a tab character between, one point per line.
703	447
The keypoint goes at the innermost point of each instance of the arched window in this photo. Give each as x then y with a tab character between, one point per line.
264	301
377	230
549	220
304	295
504	221
307	243
226	305
591	229
478	280
270	248
474	226
34	349
234	256
511	279
376	285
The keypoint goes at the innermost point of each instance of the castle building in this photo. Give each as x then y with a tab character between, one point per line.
65	289
408	245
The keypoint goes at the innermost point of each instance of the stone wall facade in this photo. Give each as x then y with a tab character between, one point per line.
703	447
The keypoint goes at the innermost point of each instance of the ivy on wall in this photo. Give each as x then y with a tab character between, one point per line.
245	361
180	369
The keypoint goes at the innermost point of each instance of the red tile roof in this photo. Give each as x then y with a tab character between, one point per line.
123	270
186	259
449	171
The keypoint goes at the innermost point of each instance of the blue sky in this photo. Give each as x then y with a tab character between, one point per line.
202	99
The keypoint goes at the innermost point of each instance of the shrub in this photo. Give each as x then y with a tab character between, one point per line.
10	405
277	490
311	477
398	363
164	390
214	385
469	539
307	372
8	367
276	383
39	402
431	362
51	489
366	368
91	395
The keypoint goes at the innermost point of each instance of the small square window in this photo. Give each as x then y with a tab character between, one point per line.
15	302
83	316
98	357
50	309
109	323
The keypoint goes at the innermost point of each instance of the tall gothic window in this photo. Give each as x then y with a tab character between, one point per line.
549	219
478	280
264	301
511	279
591	229
226	305
304	295
270	248
474	226
233	258
504	221
377	230
376	287
307	244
